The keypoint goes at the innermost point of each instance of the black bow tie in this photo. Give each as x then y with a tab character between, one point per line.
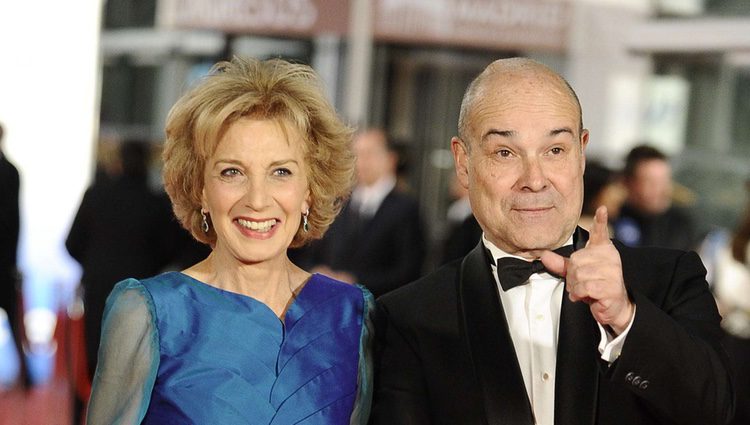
512	272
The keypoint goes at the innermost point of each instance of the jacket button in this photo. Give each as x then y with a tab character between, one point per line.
644	384
636	380
629	376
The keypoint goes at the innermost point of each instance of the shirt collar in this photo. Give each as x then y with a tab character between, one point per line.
370	197
459	210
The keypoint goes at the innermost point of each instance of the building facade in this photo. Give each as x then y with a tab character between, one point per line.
673	73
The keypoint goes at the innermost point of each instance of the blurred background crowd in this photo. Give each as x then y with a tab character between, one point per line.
664	85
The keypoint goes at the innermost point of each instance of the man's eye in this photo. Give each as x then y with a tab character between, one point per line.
504	153
556	151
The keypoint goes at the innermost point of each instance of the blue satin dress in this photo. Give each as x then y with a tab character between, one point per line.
175	350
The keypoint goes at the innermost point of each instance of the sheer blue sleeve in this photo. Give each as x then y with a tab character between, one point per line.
128	357
363	402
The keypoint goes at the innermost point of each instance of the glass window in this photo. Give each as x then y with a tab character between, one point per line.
716	160
129	13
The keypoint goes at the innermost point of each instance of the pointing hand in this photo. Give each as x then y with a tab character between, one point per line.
594	275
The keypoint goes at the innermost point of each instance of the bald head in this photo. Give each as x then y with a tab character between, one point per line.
513	77
521	156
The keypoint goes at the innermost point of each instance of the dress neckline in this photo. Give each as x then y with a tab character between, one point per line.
290	313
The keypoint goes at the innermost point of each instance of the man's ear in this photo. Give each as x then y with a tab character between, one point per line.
460	160
584	139
584	144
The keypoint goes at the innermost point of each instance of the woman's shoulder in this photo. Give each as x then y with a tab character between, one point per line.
130	302
149	289
328	280
129	289
161	282
332	285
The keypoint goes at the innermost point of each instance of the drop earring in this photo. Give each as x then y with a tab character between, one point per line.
305	224
204	223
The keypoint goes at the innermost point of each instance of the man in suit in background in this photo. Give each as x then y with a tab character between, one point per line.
378	239
10	225
648	217
121	229
462	230
516	333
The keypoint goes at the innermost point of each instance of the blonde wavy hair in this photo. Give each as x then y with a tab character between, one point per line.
265	89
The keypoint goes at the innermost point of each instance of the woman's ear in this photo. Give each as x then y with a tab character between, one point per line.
307	203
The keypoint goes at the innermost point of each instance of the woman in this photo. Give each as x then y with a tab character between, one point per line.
255	161
601	186
731	286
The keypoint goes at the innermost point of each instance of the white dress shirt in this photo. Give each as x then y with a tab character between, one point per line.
533	314
368	198
458	210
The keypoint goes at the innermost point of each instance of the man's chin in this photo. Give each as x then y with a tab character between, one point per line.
540	241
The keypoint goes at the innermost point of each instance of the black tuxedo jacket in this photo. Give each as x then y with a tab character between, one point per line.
384	251
9	215
445	355
9	229
122	229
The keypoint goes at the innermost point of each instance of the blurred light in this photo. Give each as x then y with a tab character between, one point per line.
666	112
40	362
738	59
40	323
40	326
681	7
441	158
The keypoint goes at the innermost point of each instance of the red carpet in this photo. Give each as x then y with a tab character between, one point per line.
51	403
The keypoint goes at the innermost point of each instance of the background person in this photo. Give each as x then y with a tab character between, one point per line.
601	186
727	255
612	335
462	231
648	217
378	240
118	232
10	224
255	161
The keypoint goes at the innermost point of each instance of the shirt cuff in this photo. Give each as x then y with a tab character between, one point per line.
610	347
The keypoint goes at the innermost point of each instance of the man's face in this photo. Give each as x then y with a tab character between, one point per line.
650	187
524	170
374	161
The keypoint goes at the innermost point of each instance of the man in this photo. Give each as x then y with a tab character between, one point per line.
10	224
378	239
612	335
121	229
648	217
462	230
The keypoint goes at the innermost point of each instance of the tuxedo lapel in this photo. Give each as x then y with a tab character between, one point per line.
382	210
577	379
576	385
490	345
350	229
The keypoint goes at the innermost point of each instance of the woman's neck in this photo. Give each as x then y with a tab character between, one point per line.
274	283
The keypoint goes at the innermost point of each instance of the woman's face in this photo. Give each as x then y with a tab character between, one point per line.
255	190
